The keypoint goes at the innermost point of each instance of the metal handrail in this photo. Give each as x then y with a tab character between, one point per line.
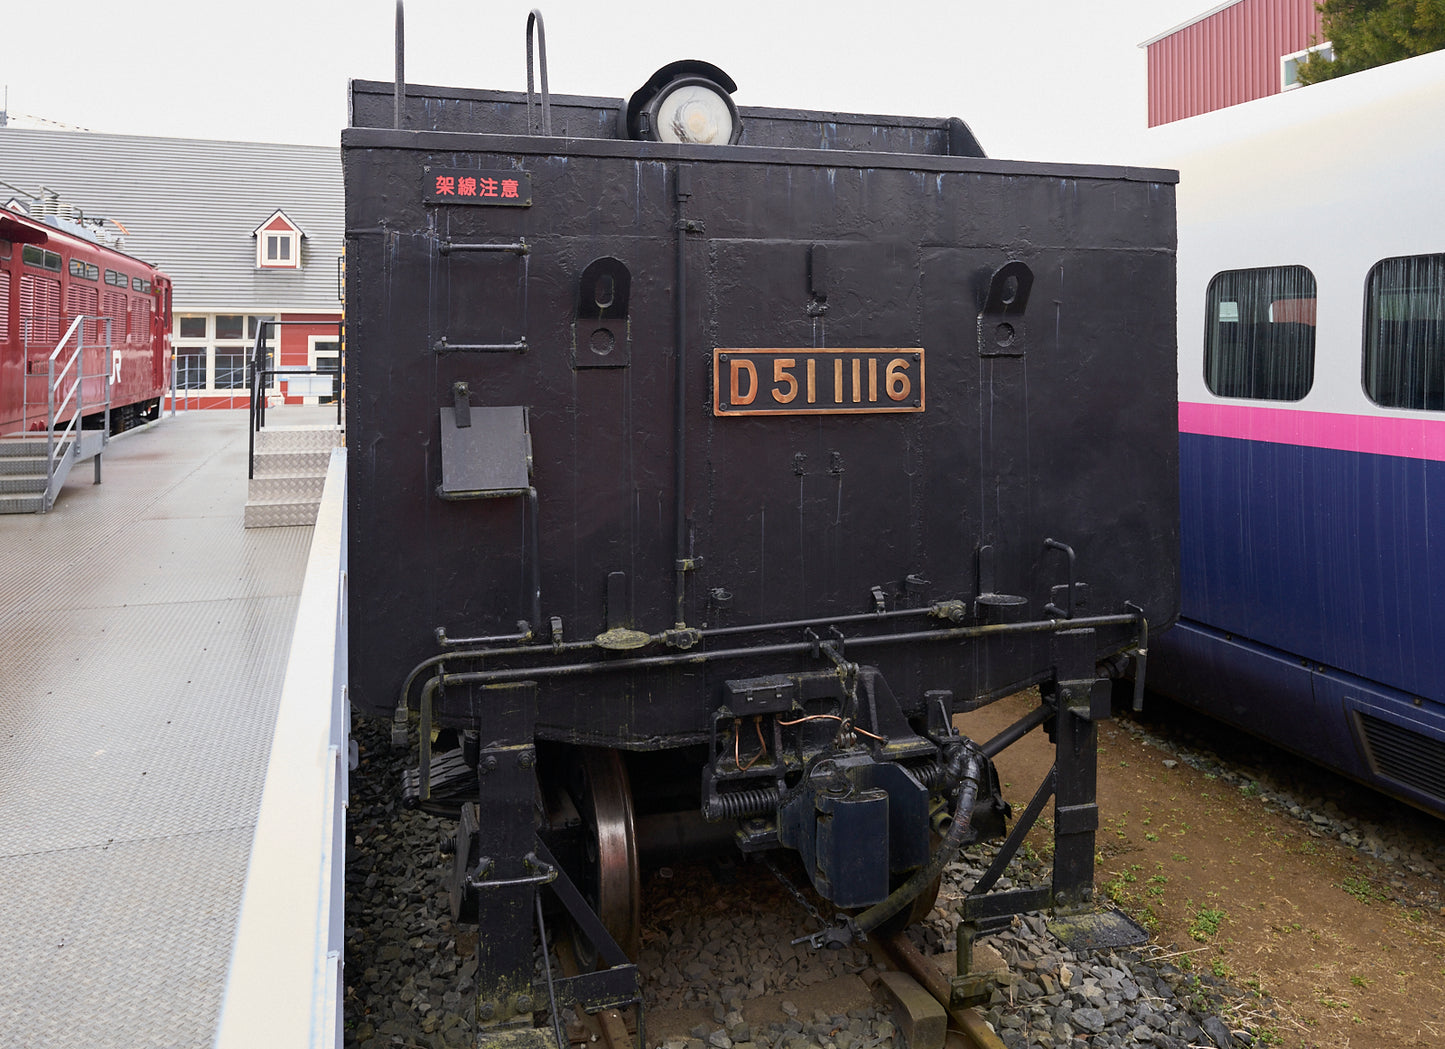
256	409
74	393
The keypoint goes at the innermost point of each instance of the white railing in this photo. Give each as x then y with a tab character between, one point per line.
283	990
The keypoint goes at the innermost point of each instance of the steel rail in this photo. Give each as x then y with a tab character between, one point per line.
899	949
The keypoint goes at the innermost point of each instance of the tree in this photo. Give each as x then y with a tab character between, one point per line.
1368	33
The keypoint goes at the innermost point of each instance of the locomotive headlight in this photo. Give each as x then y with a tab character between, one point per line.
693	110
686	101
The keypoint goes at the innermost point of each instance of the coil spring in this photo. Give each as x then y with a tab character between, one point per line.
929	773
740	804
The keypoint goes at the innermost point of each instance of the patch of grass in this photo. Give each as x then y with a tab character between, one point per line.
1361	889
1205	924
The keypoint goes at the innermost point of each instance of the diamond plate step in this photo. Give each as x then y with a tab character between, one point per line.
292	464
299	439
280	515
23	484
285	489
22	504
19	454
288	474
21	464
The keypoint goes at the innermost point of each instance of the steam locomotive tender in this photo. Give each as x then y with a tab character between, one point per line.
705	462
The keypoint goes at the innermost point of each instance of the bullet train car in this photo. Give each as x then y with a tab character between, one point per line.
1312	423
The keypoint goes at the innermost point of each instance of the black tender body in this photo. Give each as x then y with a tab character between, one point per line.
1052	421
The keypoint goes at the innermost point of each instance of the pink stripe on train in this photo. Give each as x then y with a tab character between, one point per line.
1411	438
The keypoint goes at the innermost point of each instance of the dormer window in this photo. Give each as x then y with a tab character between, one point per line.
278	243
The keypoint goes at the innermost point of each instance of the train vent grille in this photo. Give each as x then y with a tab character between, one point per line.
1406	757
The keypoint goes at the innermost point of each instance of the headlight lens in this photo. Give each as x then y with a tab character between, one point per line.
694	113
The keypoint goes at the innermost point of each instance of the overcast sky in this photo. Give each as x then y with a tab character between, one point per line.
1035	79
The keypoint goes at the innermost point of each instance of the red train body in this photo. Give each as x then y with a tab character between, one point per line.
50	276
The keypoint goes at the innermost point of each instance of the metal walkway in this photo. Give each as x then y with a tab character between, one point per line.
143	641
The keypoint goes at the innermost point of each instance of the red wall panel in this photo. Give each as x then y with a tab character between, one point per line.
1229	57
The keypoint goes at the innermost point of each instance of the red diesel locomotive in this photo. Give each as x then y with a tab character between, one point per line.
51	274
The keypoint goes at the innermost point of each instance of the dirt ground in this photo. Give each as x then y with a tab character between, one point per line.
1308	931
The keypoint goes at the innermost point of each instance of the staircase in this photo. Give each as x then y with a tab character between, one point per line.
290	468
27	485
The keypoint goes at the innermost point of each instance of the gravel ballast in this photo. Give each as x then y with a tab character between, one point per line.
719	968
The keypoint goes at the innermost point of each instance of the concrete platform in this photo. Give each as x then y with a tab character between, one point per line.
143	640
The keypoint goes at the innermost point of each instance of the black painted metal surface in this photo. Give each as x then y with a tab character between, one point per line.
1047	419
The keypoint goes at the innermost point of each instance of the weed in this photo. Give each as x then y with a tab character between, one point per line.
1149	835
1329	1001
1206	923
1361	889
1249	789
1359	981
1178	857
1220	970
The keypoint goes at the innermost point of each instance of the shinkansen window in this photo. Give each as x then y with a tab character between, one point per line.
1259	335
1405	333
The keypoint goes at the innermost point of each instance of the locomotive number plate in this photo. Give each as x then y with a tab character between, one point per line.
817	382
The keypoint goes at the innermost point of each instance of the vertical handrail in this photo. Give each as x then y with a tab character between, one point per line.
535	18
254	417
110	373
25	323
399	91
261	375
75	392
49	421
340	366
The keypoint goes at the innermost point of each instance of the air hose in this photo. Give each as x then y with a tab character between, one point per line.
965	767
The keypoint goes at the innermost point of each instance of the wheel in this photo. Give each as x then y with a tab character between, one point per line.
921	905
611	877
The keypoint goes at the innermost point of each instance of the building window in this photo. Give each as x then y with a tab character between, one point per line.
326	359
230	371
190	369
278	243
1404	363
1289	64
1259	338
279	249
220	347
